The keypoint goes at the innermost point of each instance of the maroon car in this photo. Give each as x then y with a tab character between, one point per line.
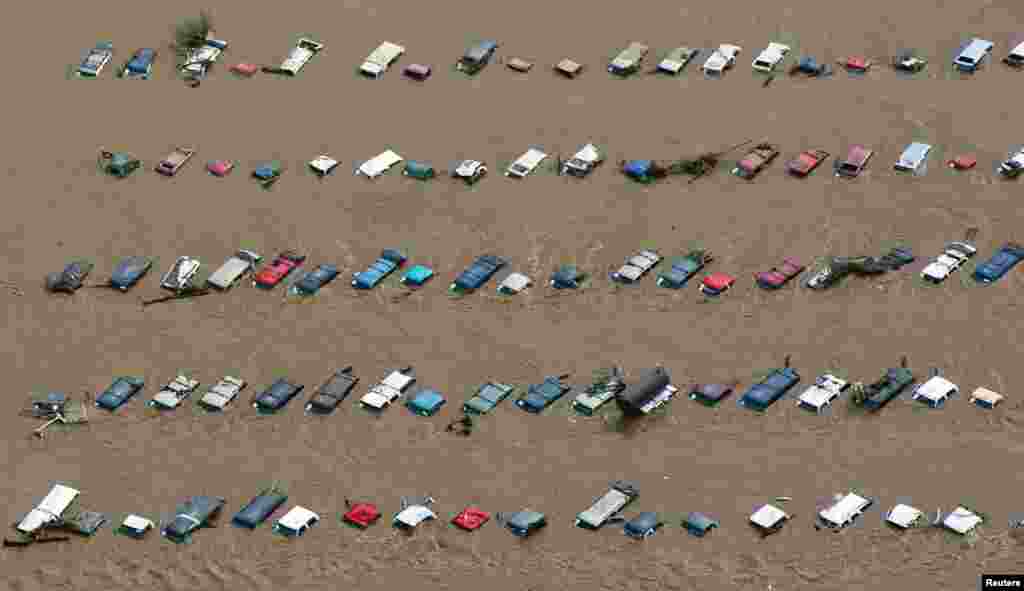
755	160
779	276
856	159
806	161
282	266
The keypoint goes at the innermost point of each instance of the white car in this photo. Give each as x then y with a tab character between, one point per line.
299	56
820	395
388	390
770	57
1016	57
583	161
1013	165
378	62
198	61
470	171
842	513
675	60
526	163
296	521
722	59
955	255
181	274
233	269
935	391
379	164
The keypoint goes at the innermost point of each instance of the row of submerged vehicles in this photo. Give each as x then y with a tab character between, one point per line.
183	276
970	57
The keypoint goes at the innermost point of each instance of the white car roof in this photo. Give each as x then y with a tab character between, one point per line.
961	520
1018	50
516	282
605	507
768	516
903	515
323	162
935	389
588	153
376	166
385	53
414	515
297	517
530	159
729	49
49	509
398	380
137	523
844	510
986	395
825	388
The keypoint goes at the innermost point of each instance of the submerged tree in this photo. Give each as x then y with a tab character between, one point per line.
191	33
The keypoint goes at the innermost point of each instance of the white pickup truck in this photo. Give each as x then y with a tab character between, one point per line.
722	59
769	58
381	59
955	255
583	161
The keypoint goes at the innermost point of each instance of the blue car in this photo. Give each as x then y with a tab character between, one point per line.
315	279
129	271
119	392
477	274
764	393
277	395
94	61
141	64
683	268
540	396
1001	262
567	277
389	261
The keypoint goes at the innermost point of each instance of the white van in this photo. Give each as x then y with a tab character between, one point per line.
378	62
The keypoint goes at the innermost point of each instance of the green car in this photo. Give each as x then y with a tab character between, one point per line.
118	164
879	393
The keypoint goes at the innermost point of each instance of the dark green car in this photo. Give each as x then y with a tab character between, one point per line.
879	393
118	164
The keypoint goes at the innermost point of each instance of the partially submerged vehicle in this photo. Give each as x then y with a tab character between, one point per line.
416	276
118	164
49	511
388	390
140	66
173	162
681	269
596	395
233	269
130	271
935	391
381	59
95	60
628	60
699	524
909	62
193	514
951	259
810	67
880	392
820	395
642	171
569	68
198	61
268	174
539	397
487	397
963	162
806	161
71	279
1013	165
172	394
1000	263
519	65
323	165
470	171
220	168
136	526
426	402
361	515
278	269
390	259
260	508
524	523
296	522
418	72
379	164
477	274
476	57
856	160
771	57
1015	59
856	64
653	390
332	392
712	394
768	519
471	519
413	513
315	280
844	511
297	58
419	170
722	59
526	164
904	516
583	162
277	395
770	389
620	494
567	277
972	55
755	160
120	391
677	59
962	521
986	398
514	283
717	283
913	158
222	393
181	274
636	267
777	277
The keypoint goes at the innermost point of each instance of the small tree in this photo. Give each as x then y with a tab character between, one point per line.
191	33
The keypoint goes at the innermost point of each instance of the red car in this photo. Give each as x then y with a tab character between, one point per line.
779	276
857	64
716	284
282	265
471	518
963	162
806	161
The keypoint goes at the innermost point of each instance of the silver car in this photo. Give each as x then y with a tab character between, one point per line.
179	277
234	269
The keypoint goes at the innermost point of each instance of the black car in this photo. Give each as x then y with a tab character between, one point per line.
476	57
129	271
277	395
261	507
332	392
643	525
193	514
524	523
119	392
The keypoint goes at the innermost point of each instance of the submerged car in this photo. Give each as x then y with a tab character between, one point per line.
173	162
856	160
806	161
952	258
390	259
636	267
478	273
675	60
476	57
297	58
118	164
192	515
683	268
771	57
96	59
179	277
381	59
119	392
755	160
889	386
909	61
470	171
583	162
913	158
233	269
282	266
767	391
140	65
1015	59
620	494
487	397
277	395
1013	165
332	392
972	55
316	279
722	59
540	396
129	271
628	60
1000	263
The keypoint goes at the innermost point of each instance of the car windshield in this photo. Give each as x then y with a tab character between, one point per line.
965	60
762	63
849	167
